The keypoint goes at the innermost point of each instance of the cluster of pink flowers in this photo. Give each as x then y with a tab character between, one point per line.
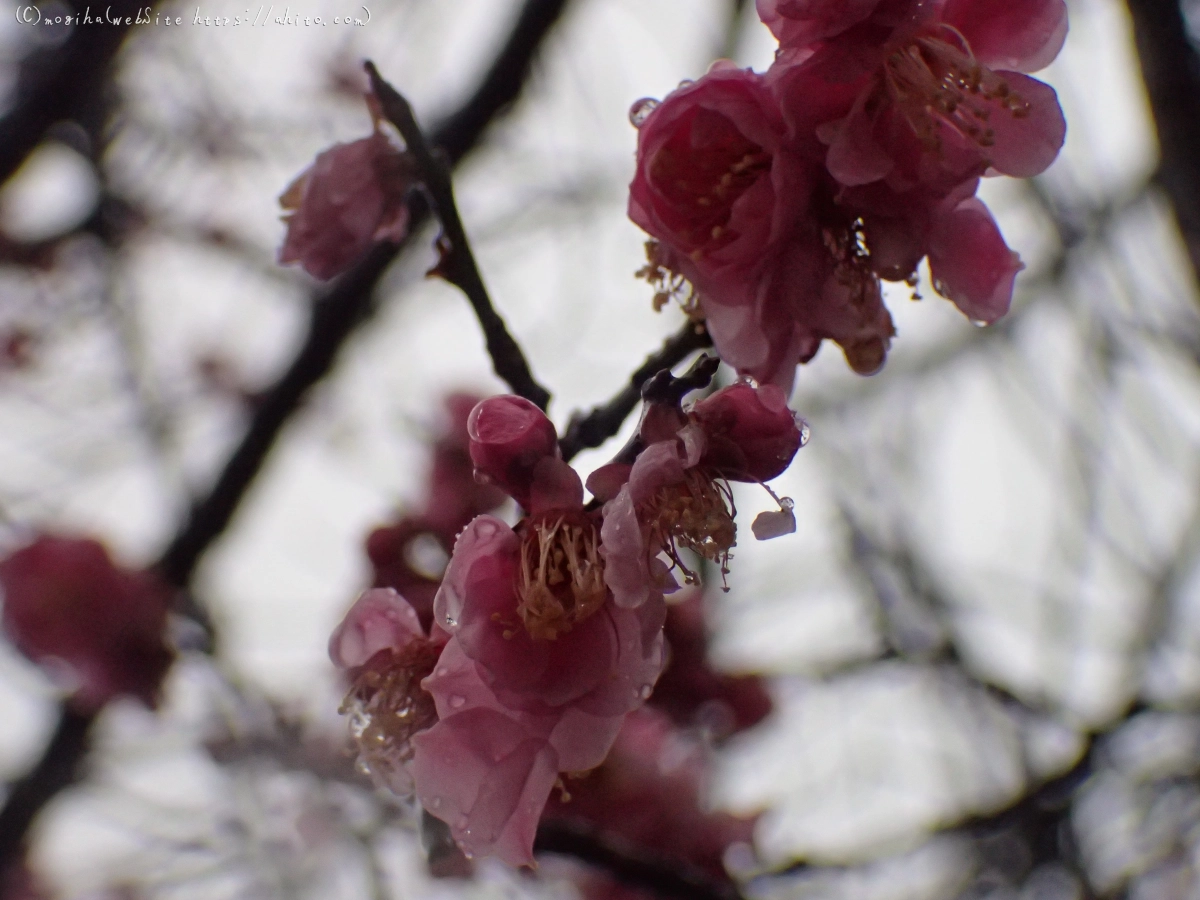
778	201
547	634
69	608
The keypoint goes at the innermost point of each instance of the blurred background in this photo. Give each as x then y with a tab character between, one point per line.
982	646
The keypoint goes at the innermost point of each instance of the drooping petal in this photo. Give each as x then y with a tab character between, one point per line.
970	263
752	434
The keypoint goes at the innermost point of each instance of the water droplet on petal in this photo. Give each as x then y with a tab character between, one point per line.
685	83
787	503
646	691
441	671
435	803
748	379
461	823
640	111
451	622
485	528
979	323
804	430
457	701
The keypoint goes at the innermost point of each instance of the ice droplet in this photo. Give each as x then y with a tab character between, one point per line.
640	111
457	701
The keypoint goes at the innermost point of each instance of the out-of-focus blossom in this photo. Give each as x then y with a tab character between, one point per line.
409	555
690	691
648	793
66	602
348	200
384	651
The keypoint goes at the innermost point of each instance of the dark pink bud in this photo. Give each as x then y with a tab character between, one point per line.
509	437
65	600
752	434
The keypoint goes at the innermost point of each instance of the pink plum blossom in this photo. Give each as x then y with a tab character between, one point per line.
348	200
676	494
542	665
385	653
66	602
737	210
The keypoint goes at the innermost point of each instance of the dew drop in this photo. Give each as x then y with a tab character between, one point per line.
748	379
451	622
457	701
979	323
646	691
640	111
787	503
804	430
485	528
441	671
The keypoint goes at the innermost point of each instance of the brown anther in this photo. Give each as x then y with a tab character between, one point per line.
694	514
561	579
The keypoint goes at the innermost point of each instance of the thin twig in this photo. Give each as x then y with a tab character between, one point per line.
457	264
594	428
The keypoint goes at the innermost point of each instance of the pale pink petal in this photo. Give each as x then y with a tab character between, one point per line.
509	436
970	263
607	481
625	567
483	774
656	467
854	156
1022	35
773	524
482	541
380	619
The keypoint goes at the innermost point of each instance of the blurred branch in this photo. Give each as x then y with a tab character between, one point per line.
336	313
594	428
457	263
349	301
1171	72
631	865
56	84
58	768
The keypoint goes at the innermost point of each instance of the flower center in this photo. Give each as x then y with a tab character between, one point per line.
387	706
705	166
561	580
695	514
937	76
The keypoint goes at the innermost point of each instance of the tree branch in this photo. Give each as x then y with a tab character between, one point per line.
1171	72
457	264
594	428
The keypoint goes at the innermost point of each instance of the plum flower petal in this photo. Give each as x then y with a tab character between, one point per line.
1021	35
970	263
486	776
379	620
